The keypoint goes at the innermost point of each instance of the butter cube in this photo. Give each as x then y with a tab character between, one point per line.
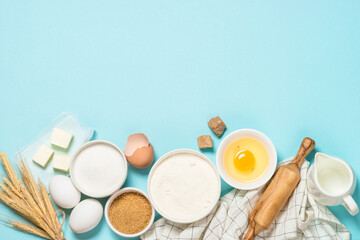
43	155
61	162
61	138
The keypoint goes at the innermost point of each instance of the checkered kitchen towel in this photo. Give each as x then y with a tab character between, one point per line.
301	218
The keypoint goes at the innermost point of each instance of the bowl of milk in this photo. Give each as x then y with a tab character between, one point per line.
184	186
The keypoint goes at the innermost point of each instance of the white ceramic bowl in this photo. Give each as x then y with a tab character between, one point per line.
118	180
112	198
242	133
164	158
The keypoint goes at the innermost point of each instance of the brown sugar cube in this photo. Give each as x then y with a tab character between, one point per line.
217	125
205	141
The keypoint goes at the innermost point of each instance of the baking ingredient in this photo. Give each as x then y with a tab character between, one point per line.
85	216
246	159
217	125
184	187
61	138
333	175
205	141
63	192
43	155
278	192
130	213
29	200
99	169
138	151
61	162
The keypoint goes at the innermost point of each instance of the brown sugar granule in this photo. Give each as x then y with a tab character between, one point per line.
205	141
130	213
217	125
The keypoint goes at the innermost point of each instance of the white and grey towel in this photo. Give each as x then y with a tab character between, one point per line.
300	218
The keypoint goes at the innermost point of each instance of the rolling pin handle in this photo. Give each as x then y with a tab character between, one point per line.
306	147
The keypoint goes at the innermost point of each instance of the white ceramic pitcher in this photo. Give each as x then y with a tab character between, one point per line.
331	182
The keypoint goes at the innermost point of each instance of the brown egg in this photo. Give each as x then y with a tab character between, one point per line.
138	151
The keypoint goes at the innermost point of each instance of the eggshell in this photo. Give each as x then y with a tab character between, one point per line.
63	192
85	216
138	151
142	157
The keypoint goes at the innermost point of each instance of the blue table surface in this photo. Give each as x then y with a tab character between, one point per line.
289	69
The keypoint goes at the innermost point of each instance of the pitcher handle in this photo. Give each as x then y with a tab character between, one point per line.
350	205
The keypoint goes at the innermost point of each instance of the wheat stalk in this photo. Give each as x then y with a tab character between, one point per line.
28	228
10	171
31	186
11	186
50	208
29	200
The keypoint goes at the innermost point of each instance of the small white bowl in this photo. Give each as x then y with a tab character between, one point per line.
164	158
116	182
112	198
243	133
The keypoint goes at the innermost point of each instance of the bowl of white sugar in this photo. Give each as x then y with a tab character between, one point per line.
98	169
184	186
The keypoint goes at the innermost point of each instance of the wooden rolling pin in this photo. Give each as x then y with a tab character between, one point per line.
278	192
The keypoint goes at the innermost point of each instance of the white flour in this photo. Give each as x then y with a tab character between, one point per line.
184	187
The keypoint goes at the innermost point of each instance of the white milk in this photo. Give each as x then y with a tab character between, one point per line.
334	180
184	187
331	182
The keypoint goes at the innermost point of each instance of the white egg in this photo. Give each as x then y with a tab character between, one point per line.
85	216
63	192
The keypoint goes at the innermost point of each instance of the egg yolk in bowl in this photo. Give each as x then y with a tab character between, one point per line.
246	159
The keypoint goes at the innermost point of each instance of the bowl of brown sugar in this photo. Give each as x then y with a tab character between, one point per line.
129	213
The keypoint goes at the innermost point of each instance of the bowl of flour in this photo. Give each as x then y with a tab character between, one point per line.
184	186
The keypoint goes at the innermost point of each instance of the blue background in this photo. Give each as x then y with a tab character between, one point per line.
288	68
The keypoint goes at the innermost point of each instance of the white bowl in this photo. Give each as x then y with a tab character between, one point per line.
242	133
112	198
164	158
84	185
